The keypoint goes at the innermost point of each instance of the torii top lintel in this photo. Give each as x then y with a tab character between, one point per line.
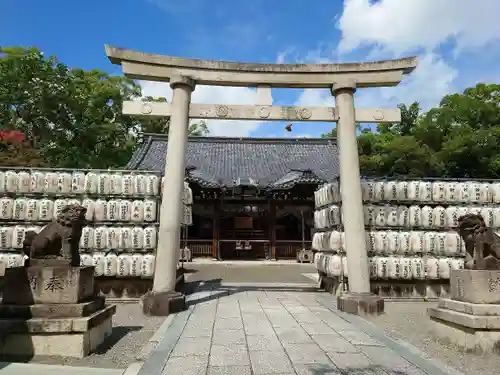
153	67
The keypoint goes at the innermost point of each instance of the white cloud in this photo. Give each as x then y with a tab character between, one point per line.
432	79
399	26
213	95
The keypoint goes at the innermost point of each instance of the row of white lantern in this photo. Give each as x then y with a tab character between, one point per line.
79	182
392	242
29	209
98	238
393	267
411	217
416	191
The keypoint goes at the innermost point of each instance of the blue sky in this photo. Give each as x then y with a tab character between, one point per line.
457	41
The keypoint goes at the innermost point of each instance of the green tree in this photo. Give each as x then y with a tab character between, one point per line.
71	117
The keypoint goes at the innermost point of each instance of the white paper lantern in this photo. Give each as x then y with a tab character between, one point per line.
59	204
406	269
391	215
462	192
452	244
454	264
110	264
440	242
403	188
31	210
439	217
370	241
451	214
24	182
115	184
6	236
11	182
335	241
2	182
125	238
462	211
64	182
404	241
139	184
333	215
98	261
103	183
368	191
100	210
153	185
444	268
128	184
6	208
124	210
372	264
427	215
20	209
380	242
394	267
452	194
78	183
316	241
417	242
100	237
439	191
86	260
136	264
137	238
150	210
150	239
496	217
425	191
113	238
494	192
382	268
430	241
380	218
391	191
417	268
45	209
432	268
335	265
37	182
487	214
379	191
148	266
123	265
112	210
392	242
18	236
369	213
87	238
415	214
137	211
91	183
89	204
414	191
403	216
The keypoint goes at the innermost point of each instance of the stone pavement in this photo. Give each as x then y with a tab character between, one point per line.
271	329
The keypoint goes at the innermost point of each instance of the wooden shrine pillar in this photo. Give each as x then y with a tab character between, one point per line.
215	231
272	228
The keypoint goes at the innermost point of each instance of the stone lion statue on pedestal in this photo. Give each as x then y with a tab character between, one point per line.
60	239
481	243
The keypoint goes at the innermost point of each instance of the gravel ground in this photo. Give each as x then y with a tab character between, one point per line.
408	321
131	330
268	273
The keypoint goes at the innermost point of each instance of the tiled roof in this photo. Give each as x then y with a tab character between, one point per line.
270	162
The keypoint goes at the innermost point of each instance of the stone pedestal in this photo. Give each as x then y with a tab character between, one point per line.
471	318
360	304
162	303
52	310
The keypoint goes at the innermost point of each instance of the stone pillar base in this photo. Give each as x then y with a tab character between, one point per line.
473	327
163	303
68	337
360	304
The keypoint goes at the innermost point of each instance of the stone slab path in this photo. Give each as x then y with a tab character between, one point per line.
277	329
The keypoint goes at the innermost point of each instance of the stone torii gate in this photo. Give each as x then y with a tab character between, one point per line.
184	74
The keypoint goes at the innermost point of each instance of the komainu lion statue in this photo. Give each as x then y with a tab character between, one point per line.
59	239
481	243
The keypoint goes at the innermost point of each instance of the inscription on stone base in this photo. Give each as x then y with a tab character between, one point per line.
475	286
48	284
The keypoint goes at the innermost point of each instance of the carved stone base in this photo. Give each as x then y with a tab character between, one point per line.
473	327
162	304
475	286
360	304
68	337
48	284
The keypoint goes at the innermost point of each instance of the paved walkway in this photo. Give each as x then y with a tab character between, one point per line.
269	329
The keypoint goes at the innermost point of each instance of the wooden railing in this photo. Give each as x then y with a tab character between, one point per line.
200	248
288	249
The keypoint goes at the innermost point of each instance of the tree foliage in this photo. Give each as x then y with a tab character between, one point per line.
458	138
71	117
